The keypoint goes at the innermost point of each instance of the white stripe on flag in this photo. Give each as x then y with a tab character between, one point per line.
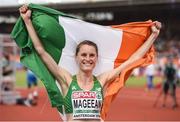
107	39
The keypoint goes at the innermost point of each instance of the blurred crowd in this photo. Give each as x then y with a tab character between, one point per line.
168	47
8	93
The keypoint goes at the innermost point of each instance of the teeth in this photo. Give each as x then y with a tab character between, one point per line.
87	64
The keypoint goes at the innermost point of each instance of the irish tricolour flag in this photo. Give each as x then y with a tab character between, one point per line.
60	34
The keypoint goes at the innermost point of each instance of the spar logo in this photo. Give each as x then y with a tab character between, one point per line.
84	94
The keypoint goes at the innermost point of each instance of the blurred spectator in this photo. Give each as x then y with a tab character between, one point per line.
170	82
150	73
32	83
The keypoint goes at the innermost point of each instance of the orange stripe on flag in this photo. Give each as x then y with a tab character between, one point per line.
134	35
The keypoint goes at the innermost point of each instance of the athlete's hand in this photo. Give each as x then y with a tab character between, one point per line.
25	13
155	28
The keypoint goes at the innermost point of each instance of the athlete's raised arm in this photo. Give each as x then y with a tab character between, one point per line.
110	75
62	76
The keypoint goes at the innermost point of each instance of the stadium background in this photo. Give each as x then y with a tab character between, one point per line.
105	13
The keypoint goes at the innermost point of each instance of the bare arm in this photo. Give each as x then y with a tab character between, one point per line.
110	75
60	74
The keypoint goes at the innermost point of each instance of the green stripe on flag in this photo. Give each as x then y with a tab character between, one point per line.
45	21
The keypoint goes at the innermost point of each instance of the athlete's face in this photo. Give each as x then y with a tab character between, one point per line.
87	58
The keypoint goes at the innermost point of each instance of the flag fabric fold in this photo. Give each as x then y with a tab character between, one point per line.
60	34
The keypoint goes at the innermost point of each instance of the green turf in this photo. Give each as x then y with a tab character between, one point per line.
21	79
131	82
140	81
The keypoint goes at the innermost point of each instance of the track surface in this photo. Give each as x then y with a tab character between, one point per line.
133	104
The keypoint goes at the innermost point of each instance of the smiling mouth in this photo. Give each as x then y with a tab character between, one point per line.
87	64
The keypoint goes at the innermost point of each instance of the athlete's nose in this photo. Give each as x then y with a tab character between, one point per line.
87	58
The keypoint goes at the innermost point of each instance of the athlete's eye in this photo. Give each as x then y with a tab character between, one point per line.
92	55
84	54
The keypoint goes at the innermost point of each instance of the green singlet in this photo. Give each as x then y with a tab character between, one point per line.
84	104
